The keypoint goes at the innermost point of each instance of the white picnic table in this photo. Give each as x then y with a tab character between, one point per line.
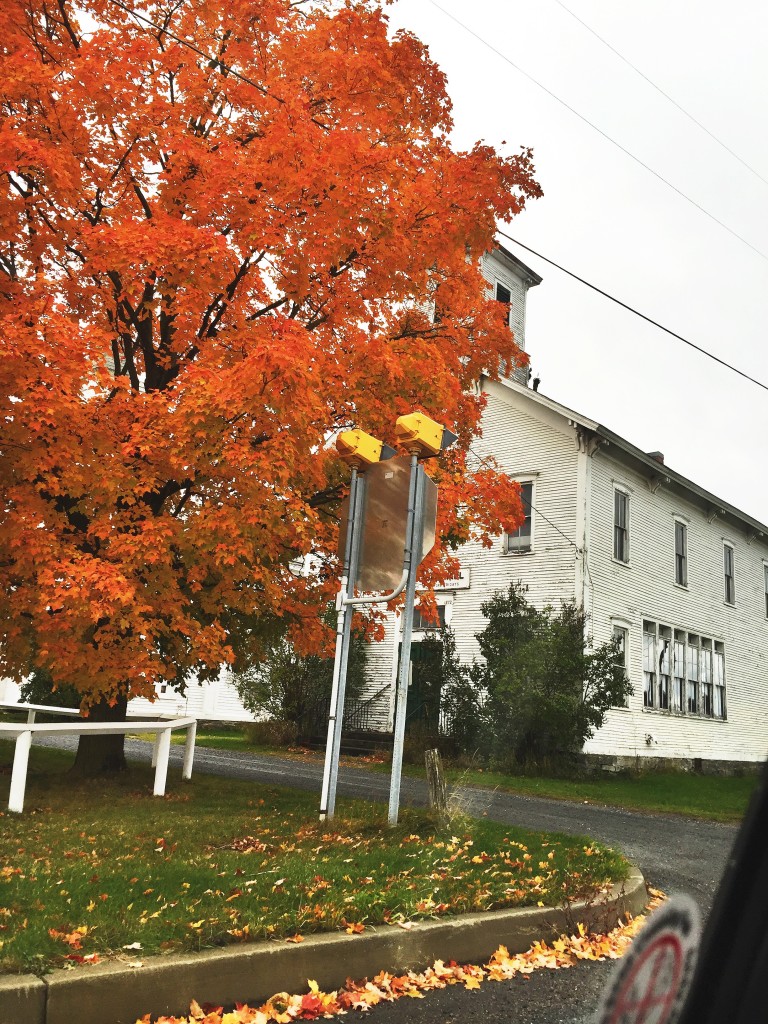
24	731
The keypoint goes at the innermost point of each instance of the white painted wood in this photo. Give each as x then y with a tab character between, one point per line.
163	753
19	771
163	729
189	751
575	466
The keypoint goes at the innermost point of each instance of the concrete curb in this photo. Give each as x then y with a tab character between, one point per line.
118	993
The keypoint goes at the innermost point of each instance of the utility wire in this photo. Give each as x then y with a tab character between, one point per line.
600	131
264	91
660	90
631	309
195	49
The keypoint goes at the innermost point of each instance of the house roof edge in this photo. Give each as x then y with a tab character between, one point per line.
711	501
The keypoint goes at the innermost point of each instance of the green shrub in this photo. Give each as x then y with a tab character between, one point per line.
546	693
271	733
291	687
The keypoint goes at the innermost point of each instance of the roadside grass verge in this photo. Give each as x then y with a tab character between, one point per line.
709	797
103	868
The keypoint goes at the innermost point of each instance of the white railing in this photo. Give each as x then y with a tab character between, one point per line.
23	731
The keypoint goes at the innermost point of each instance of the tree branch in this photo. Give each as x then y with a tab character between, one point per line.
144	204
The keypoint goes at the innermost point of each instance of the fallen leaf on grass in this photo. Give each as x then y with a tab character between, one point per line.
73	938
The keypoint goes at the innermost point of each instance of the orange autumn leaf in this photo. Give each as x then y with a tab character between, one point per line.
202	278
73	939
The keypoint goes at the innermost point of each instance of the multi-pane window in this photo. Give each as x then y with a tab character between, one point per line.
422	622
678	672
621	526
621	635
649	665
519	540
719	681
707	706
693	675
665	651
683	672
730	581
681	554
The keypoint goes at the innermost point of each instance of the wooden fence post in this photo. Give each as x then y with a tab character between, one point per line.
436	781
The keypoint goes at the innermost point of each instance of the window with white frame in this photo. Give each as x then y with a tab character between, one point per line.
728	574
504	295
692	681
718	708
678	672
707	705
520	541
621	635
620	525
424	623
649	664
664	649
681	554
684	673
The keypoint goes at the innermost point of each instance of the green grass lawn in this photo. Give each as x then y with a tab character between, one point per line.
102	867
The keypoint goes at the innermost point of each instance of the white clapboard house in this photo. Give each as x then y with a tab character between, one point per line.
678	574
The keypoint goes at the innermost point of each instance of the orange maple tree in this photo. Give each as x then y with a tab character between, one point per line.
218	226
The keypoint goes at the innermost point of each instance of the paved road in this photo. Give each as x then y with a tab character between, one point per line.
675	854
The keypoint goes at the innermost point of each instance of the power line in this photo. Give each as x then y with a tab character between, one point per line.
212	61
600	131
631	309
660	90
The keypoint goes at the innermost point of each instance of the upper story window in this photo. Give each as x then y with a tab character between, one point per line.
681	554
521	539
503	294
728	574
765	583
621	526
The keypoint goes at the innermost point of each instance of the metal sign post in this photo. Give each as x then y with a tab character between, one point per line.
343	635
412	559
374	540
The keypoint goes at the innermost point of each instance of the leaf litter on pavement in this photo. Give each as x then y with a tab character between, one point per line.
565	951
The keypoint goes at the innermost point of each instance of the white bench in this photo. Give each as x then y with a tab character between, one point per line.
23	731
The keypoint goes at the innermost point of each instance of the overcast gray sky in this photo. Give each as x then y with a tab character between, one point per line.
612	222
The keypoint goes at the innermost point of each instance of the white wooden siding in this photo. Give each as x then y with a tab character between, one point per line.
646	589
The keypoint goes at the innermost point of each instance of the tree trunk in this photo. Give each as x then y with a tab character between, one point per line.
102	755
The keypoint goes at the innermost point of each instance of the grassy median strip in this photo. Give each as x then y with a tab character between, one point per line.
104	868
